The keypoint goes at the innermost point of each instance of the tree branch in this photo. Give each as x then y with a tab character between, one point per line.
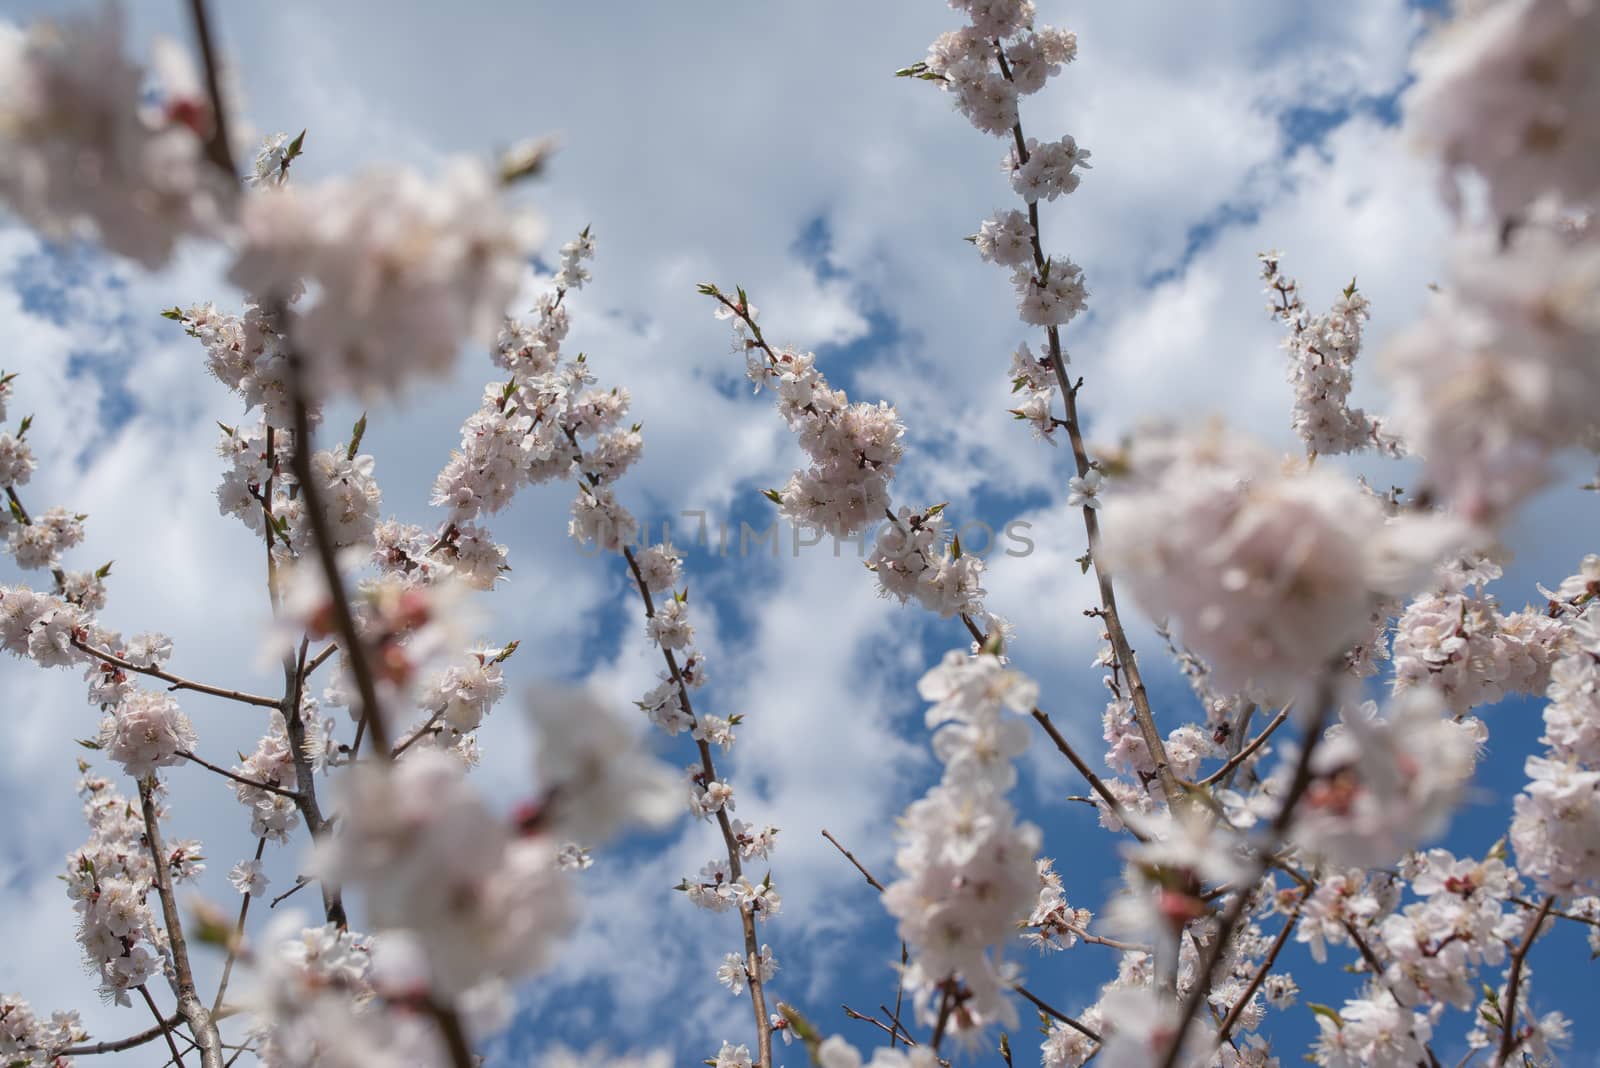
178	682
1244	754
238	938
1091	523
149	1034
1509	1038
194	1013
161	1024
225	773
217	145
327	555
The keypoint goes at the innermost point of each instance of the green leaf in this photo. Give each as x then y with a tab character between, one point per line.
104	570
27	421
296	147
1083	563
174	313
955	547
526	160
89	743
772	495
356	434
1327	1011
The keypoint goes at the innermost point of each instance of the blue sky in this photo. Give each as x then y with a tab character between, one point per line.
768	147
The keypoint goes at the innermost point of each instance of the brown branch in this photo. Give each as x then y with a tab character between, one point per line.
899	991
1509	1039
1065	748
177	682
1078	1026
1298	784
455	1037
321	658
238	938
294	673
425	729
851	857
1574	917
1244	754
874	1021
149	1034
242	780
300	883
161	1023
327	555
203	1027
1231	1021
217	146
752	948
1126	660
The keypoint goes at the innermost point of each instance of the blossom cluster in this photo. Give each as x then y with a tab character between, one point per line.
968	874
1322	352
1556	827
109	879
853	448
85	151
1269	572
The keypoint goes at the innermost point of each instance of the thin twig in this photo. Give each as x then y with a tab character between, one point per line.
161	1025
1574	917
1244	754
1231	1021
1065	748
874	1021
425	729
851	857
300	883
238	938
242	780
1077	1025
149	1034
899	1028
178	682
900	989
1298	784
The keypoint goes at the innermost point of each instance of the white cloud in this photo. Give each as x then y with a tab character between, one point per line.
701	145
